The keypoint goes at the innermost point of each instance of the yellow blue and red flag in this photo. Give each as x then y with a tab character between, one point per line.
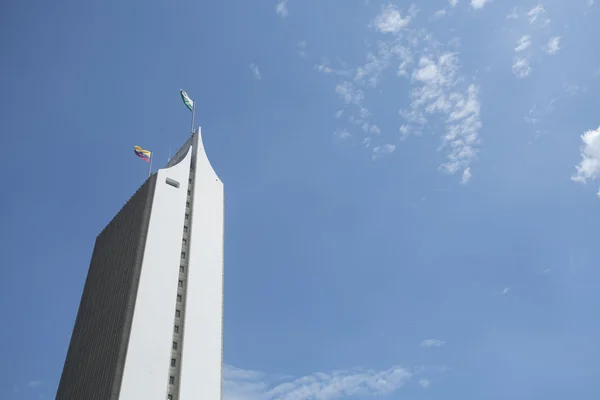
143	154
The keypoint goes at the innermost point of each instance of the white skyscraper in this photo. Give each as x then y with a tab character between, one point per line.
149	324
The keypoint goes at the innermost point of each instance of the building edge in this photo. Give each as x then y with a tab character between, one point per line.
201	375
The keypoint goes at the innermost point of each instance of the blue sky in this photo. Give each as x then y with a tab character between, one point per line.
411	192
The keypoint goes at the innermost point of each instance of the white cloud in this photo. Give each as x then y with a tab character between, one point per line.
251	385
523	43
553	45
343	134
466	176
439	14
424	383
390	20
453	3
349	93
432	343
437	93
537	15
323	68
371	71
521	68
404	131
589	166
381	151
374	129
477	4
505	291
255	71
281	9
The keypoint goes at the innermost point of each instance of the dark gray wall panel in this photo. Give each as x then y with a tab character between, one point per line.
98	347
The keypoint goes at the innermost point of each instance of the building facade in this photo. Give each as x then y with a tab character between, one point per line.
150	320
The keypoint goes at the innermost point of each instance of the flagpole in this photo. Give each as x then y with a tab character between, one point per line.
193	112
150	166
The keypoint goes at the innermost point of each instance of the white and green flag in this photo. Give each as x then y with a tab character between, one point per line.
189	103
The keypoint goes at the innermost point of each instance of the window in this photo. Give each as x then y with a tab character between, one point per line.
189	192
176	328
171	380
190	180
172	182
174	345
187	203
181	269
179	298
183	255
177	313
173	361
185	242
185	228
170	397
180	283
187	216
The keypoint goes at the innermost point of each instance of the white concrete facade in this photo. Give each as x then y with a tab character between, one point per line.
148	361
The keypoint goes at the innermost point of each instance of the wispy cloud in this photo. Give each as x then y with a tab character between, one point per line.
437	92
440	95
505	291
349	93
432	343
589	166
323	68
538	16
390	20
370	72
255	71
521	67
453	3
523	43
383	150
239	384
438	14
281	9
343	134
553	45
424	383
513	14
466	176
32	386
477	4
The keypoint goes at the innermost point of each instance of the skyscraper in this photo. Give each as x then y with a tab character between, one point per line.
149	324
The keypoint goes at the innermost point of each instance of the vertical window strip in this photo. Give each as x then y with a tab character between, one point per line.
179	317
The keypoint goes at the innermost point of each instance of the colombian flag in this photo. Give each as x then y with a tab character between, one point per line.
143	154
